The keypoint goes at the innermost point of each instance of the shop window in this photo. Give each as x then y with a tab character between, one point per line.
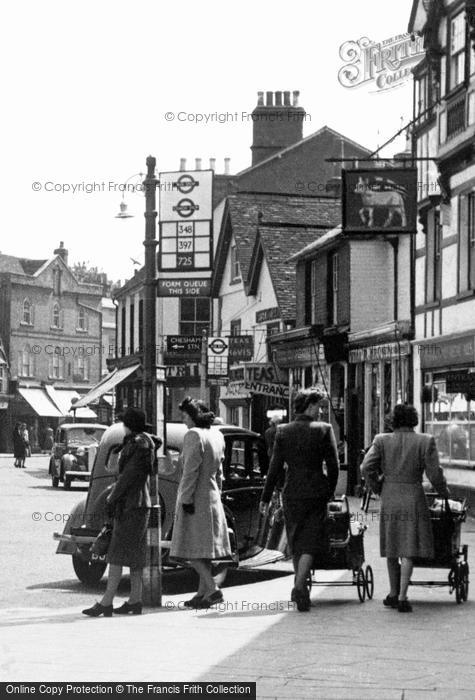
272	329
466	243
375	399
234	415
27	312
195	316
457	50
450	418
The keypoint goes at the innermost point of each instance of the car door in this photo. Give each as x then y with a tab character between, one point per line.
244	466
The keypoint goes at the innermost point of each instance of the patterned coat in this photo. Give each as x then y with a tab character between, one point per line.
402	458
204	533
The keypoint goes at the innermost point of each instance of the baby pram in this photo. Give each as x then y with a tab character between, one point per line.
446	518
345	550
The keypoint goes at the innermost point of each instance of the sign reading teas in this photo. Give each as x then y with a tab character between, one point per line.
183	287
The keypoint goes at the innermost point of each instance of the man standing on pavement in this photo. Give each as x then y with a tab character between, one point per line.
303	445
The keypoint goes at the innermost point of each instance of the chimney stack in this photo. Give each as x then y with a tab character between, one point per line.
62	252
277	124
197	163
182	163
212	163
227	162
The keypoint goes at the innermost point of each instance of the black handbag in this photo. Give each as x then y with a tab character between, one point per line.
101	544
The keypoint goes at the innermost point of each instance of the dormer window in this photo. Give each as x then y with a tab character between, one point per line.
27	312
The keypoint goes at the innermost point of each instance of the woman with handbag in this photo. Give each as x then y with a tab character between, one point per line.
128	504
200	532
394	467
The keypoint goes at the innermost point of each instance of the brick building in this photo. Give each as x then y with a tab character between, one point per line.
51	329
444	361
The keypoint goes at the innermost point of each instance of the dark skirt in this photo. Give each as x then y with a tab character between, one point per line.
305	522
128	546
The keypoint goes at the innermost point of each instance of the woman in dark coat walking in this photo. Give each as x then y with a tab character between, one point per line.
19	446
129	503
394	466
200	532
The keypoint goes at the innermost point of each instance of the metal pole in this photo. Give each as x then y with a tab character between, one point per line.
152	573
203	363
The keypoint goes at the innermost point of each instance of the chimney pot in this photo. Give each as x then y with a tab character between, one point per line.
287	98
212	163
197	163
260	99
296	94
269	97
227	162
62	252
182	163
278	99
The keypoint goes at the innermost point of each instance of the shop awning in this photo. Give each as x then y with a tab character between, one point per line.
63	398
106	385
40	402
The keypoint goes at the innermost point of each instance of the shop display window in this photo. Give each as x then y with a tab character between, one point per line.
450	417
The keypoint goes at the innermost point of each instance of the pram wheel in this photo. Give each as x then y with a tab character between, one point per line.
461	582
369	581
361	584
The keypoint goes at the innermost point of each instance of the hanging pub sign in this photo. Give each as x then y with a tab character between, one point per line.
186	212
380	200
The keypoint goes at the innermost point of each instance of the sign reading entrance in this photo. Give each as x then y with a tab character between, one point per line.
183	287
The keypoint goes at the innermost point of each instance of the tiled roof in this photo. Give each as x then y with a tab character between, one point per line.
137	279
247	211
279	244
19	266
319	243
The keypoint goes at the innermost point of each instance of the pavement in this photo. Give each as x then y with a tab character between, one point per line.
340	649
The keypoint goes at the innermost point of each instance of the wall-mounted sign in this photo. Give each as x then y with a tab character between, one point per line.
241	348
267	314
217	357
373	353
184	373
445	353
380	200
183	345
183	287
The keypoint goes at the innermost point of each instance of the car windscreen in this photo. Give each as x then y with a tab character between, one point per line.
84	436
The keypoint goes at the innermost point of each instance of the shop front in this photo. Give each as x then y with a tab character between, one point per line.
378	379
448	397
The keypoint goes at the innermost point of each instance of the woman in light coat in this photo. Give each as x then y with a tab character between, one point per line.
200	532
398	461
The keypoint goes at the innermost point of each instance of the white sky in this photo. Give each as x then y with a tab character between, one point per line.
86	86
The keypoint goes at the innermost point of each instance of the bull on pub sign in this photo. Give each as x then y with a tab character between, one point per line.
380	200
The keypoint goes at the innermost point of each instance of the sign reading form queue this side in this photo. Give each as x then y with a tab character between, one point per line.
183	287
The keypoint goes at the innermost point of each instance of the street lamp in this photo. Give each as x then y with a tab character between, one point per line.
123	213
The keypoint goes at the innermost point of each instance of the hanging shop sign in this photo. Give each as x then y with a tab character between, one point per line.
374	353
267	314
241	348
380	200
299	354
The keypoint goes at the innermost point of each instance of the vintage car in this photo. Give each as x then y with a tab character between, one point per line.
244	469
73	452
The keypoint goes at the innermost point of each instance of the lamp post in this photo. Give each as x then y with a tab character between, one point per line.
150	295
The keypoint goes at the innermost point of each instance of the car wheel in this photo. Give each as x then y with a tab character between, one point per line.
55	482
88	572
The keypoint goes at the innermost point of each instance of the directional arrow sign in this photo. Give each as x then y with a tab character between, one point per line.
184	345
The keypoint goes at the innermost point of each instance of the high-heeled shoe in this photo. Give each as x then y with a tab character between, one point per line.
97	610
193	602
210	600
126	608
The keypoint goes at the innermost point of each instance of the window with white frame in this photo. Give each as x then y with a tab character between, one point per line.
27	312
457	49
25	362
81	368
56	366
235	268
56	316
82	319
3	378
